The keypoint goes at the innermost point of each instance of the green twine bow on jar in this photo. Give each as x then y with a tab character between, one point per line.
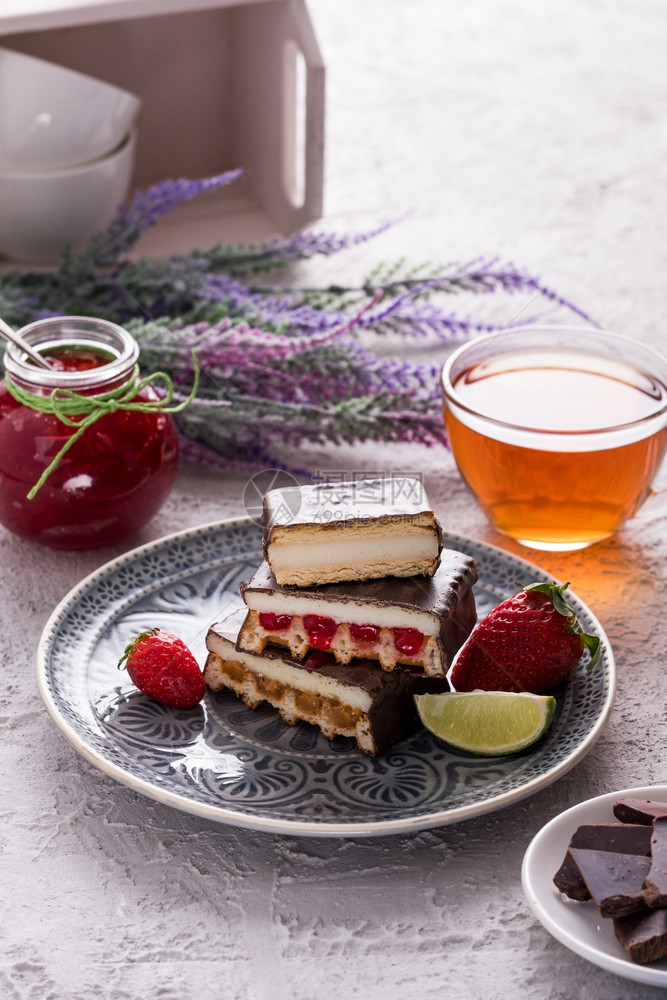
81	412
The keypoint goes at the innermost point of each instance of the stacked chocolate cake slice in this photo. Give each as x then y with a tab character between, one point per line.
354	609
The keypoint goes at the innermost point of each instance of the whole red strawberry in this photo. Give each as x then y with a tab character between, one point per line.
530	642
162	667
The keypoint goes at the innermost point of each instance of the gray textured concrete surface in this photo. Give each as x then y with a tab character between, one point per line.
527	129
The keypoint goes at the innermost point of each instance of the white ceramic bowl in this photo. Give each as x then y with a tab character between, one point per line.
40	213
52	117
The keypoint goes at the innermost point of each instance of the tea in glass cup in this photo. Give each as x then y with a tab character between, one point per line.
557	431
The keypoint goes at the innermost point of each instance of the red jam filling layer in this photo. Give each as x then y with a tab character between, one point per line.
320	630
408	640
316	660
365	633
274	623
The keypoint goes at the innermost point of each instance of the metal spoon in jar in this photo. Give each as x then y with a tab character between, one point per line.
11	335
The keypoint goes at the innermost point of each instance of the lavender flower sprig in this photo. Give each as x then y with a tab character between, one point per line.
99	281
218	435
283	367
261	393
130	221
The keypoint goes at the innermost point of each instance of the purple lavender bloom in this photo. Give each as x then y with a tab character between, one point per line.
409	314
281	368
279	251
482	274
130	221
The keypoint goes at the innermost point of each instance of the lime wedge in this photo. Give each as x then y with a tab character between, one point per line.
486	723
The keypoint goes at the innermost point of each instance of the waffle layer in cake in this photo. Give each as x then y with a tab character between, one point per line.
333	532
417	623
359	700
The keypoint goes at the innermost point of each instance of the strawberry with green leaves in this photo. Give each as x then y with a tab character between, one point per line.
530	642
162	667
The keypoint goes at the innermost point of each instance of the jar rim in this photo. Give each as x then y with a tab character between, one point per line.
58	331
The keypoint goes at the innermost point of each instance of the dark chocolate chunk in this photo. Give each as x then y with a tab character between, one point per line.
568	880
614	880
655	885
639	810
623	838
643	935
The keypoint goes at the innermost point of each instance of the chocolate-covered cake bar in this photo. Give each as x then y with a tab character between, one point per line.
331	532
374	707
418	623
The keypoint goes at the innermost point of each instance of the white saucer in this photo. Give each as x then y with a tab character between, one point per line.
579	926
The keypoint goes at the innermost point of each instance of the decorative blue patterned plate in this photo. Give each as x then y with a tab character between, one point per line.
230	764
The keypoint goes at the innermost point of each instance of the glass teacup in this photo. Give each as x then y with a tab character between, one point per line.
557	431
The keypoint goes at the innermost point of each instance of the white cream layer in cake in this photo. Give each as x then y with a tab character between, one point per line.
348	611
362	530
351	551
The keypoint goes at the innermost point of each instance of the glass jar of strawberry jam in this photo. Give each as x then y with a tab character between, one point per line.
96	485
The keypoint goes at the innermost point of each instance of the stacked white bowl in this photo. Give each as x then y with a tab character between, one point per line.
67	144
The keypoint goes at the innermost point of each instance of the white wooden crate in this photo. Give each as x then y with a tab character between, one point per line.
224	84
